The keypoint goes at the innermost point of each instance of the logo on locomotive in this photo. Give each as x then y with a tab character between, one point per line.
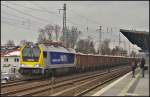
63	58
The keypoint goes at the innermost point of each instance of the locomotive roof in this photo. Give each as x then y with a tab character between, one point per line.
57	49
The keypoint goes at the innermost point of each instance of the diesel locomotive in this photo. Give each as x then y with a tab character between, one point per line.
44	60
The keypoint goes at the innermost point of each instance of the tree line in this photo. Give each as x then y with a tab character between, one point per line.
53	33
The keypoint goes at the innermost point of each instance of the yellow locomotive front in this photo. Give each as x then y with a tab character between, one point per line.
31	60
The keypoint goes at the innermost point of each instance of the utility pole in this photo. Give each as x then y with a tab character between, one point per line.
64	24
100	36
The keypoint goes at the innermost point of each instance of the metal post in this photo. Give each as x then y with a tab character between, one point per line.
64	24
100	36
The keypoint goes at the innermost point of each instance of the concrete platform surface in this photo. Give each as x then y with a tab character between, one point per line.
127	86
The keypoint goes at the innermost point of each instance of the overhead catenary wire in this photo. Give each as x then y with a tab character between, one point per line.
26	7
91	20
13	19
17	26
22	18
27	21
32	15
12	15
46	20
84	17
43	20
14	25
45	10
54	13
95	22
24	23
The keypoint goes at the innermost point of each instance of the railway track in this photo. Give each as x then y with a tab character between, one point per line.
45	88
24	81
21	82
17	82
79	88
101	81
12	83
10	89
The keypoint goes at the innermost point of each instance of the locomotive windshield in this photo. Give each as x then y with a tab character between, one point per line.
31	53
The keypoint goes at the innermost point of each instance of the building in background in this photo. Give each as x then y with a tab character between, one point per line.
10	62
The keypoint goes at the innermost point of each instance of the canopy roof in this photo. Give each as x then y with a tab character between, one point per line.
140	38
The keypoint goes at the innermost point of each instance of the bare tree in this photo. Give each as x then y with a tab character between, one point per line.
46	33
71	36
118	51
91	47
105	50
23	42
49	29
57	30
10	43
85	46
42	35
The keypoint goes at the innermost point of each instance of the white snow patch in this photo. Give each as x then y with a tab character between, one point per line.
14	53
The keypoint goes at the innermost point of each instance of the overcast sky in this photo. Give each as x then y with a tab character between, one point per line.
22	19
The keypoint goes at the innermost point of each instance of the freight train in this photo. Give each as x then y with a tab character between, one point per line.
40	59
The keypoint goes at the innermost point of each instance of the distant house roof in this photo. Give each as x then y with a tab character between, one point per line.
7	49
140	38
11	53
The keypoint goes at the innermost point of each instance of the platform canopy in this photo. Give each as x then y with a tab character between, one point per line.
140	38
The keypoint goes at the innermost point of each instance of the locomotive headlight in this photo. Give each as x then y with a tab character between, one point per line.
37	65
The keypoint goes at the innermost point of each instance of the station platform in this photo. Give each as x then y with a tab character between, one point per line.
127	86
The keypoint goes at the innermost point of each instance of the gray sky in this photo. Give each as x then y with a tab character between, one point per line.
112	14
